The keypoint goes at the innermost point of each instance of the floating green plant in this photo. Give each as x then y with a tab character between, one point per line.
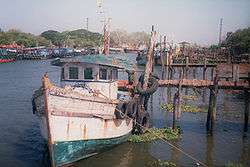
161	163
230	164
154	134
189	97
184	107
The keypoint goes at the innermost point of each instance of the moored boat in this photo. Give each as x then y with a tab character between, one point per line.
5	57
83	116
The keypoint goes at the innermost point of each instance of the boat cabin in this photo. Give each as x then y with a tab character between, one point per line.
80	72
99	72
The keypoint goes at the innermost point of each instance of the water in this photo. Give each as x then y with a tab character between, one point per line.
21	144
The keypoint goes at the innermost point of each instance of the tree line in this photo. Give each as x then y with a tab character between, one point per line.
80	38
237	42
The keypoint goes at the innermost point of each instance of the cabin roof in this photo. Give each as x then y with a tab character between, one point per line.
94	59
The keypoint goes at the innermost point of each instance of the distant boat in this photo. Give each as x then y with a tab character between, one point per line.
5	57
84	116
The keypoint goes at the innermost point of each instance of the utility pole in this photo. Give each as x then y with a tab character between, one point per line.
220	33
87	23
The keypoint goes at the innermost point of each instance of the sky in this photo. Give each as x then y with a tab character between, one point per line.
195	21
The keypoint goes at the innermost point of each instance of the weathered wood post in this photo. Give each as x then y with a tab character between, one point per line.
165	59
237	75
148	69
212	74
204	69
211	115
247	107
162	59
204	77
179	96
186	72
232	70
149	64
246	112
174	111
194	73
186	67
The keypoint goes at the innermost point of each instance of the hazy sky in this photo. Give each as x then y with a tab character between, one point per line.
190	20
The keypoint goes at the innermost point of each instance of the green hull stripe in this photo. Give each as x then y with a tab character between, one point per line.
67	152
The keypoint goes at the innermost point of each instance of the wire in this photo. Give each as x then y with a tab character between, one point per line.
198	162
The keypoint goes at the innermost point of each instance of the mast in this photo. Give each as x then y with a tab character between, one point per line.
220	33
106	36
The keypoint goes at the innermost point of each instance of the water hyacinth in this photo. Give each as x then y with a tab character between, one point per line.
161	163
184	107
154	134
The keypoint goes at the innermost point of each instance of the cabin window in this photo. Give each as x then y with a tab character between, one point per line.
110	75
103	73
62	74
73	72
88	73
114	74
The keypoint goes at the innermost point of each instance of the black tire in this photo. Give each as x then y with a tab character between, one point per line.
143	121
132	109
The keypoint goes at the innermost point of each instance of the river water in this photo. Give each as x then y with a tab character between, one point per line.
21	144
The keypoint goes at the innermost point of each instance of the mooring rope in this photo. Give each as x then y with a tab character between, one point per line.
198	162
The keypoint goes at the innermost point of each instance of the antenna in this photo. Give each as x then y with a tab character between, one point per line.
87	23
220	33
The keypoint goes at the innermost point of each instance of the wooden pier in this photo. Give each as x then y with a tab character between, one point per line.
191	83
232	76
213	85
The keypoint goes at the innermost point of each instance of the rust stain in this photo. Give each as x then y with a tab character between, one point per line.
84	132
105	126
68	128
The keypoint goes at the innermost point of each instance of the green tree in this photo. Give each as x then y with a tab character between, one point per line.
76	38
238	42
54	36
21	38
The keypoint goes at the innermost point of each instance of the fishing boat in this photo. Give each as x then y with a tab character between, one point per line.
5	57
83	116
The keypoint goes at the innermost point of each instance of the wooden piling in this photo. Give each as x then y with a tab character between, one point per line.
186	67
204	69
174	111
149	64
179	96
162	59
148	68
194	73
247	107
211	115
246	112
212	74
